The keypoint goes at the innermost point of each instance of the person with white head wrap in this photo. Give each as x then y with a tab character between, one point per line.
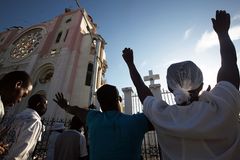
183	77
202	126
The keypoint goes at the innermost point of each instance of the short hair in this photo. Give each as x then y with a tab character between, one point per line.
12	77
107	94
76	123
35	99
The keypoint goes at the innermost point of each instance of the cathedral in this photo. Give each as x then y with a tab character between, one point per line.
64	54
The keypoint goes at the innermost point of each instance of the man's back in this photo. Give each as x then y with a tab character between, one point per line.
206	129
113	135
68	146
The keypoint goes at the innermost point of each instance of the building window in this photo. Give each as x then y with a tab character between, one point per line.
54	52
58	37
2	39
89	74
46	76
66	35
68	20
26	44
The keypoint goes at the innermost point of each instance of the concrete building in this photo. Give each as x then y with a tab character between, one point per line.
63	54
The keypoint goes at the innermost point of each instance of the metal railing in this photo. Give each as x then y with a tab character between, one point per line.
150	148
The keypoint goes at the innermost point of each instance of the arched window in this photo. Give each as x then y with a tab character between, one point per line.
1	40
68	20
89	74
58	37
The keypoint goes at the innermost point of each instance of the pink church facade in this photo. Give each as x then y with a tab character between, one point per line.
64	54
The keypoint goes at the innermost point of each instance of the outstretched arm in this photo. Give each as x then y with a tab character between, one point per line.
229	69
74	110
142	90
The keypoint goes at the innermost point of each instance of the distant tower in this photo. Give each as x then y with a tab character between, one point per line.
64	54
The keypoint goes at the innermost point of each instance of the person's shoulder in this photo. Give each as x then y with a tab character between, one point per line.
148	98
70	132
27	113
225	89
140	121
132	115
138	116
153	103
93	112
226	85
73	131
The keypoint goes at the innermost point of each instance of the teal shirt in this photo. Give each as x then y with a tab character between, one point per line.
113	135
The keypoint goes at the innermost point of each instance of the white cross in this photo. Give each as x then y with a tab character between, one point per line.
151	77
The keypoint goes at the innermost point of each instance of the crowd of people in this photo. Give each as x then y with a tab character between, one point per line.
201	125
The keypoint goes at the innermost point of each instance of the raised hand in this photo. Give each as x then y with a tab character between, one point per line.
60	100
74	110
229	69
128	55
142	89
221	23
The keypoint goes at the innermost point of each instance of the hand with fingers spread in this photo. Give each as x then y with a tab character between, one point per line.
128	55
221	22
74	110
61	101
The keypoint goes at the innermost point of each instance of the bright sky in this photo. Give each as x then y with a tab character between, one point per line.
159	31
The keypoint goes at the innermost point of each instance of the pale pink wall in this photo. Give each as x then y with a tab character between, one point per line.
51	36
74	34
74	43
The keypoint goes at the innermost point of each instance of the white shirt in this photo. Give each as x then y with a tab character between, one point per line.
205	129
51	144
23	135
70	144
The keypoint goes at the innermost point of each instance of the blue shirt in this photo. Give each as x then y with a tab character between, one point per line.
113	135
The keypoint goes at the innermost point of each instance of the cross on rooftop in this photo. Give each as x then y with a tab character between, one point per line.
151	77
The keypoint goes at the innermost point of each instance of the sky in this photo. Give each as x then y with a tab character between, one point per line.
160	32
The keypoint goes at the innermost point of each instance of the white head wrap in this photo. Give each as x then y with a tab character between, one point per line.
183	77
